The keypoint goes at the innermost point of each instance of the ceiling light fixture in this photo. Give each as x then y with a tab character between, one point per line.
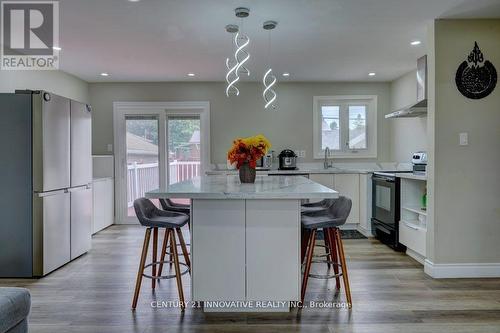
231	64
104	74
236	65
191	74
134	0
269	79
286	74
56	48
415	42
371	74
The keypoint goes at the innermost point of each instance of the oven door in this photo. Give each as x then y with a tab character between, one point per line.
385	198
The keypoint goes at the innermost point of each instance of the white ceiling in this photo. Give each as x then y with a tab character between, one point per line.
316	40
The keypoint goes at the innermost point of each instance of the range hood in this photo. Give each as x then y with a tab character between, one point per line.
418	109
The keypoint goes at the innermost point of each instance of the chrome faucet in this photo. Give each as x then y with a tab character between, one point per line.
327	164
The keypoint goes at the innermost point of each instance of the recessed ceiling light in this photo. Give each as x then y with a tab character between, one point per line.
134	0
371	74
191	74
104	74
286	74
415	42
57	48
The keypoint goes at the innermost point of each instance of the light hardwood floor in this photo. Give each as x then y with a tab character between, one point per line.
390	294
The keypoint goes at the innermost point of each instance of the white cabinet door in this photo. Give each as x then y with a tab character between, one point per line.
365	204
103	199
273	251
218	250
348	185
323	179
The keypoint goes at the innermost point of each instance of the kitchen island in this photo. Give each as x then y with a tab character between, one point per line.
245	239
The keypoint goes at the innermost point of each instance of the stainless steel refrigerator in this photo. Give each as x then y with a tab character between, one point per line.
46	177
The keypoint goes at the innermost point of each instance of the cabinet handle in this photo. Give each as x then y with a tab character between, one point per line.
410	226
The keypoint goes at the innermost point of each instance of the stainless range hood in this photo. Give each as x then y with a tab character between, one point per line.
418	109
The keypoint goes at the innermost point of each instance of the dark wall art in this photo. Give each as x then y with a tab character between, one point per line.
476	78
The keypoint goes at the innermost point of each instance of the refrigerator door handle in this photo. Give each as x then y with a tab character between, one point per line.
51	193
80	188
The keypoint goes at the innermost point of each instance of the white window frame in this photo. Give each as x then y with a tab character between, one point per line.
160	110
343	101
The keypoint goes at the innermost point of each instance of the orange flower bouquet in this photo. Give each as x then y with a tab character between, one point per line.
245	153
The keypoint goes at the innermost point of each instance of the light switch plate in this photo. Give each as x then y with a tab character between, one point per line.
110	147
464	139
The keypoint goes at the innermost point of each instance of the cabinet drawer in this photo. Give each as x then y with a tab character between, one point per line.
412	237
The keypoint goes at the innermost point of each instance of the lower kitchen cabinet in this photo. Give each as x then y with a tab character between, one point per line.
347	185
103	204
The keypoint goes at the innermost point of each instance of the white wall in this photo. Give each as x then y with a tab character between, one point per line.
464	180
408	135
57	82
289	127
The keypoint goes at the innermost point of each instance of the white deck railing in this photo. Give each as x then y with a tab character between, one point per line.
142	178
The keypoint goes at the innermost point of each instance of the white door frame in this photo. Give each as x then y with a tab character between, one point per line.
161	111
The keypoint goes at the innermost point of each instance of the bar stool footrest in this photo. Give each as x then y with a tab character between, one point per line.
164	277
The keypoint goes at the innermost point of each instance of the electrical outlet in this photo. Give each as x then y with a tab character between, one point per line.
464	139
301	153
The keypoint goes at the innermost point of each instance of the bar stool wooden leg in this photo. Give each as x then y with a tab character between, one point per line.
184	249
310	251
144	255
178	276
163	252
155	256
172	245
328	247
334	255
304	242
345	277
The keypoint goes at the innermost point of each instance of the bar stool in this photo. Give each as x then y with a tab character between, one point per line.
154	218
315	207
329	220
169	205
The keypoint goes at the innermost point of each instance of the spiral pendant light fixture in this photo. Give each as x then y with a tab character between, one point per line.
231	65
269	79
236	66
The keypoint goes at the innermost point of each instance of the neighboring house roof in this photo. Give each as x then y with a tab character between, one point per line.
195	138
140	146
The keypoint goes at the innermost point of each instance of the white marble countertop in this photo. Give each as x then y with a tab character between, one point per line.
291	172
229	187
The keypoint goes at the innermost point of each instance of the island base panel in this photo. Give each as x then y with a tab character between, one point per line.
246	250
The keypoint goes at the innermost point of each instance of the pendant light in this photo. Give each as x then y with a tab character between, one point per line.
236	66
269	79
231	64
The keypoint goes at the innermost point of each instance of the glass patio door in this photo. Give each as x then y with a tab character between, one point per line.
184	147
143	172
157	144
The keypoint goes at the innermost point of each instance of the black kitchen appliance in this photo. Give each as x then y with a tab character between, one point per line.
287	160
386	209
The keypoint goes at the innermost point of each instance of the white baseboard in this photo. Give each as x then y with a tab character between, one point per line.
444	271
364	232
417	256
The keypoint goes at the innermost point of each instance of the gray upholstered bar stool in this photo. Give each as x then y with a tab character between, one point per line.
329	220
154	218
169	205
316	207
